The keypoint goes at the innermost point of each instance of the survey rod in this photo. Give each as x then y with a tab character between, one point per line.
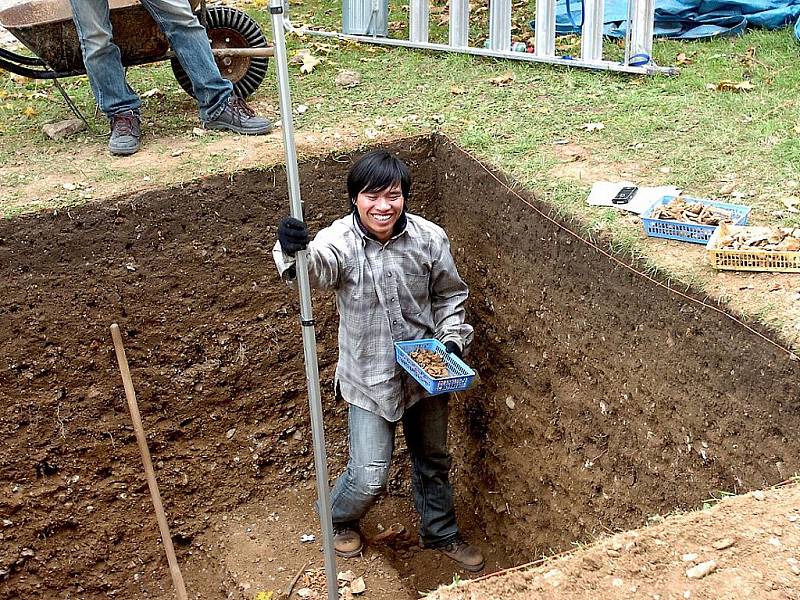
276	9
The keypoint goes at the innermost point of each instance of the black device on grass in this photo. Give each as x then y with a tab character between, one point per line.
624	195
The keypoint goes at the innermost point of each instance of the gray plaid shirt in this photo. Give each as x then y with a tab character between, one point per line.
405	289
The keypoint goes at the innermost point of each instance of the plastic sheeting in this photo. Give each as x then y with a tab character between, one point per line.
689	19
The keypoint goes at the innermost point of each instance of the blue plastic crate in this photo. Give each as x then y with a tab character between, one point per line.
690	232
460	377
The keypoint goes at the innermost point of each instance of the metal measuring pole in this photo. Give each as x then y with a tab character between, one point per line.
276	9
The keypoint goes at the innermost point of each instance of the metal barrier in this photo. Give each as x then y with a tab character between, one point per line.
367	21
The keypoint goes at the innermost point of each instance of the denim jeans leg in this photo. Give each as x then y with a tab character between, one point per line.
425	430
102	58
364	480
189	41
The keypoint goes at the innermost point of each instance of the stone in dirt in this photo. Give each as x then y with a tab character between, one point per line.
701	570
723	543
62	129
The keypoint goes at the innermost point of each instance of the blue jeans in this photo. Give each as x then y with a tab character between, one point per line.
186	36
371	446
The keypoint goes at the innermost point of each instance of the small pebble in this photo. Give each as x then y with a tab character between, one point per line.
701	570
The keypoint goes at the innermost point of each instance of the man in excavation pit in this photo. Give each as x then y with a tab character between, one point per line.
394	279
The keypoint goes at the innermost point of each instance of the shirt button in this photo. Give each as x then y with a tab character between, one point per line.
388	274
394	322
392	300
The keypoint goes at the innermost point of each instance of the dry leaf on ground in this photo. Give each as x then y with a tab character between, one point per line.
306	60
731	86
684	59
457	90
504	80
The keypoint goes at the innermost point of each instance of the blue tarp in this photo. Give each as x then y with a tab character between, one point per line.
690	19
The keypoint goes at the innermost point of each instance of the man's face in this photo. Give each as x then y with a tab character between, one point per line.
380	210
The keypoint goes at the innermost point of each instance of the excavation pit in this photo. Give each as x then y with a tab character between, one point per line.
603	398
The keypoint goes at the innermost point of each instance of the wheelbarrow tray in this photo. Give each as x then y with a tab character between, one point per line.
46	28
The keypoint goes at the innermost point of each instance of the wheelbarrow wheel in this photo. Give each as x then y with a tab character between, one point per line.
232	28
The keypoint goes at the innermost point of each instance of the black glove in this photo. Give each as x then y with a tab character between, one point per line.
292	235
452	348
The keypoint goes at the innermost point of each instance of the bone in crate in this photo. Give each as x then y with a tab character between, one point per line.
432	362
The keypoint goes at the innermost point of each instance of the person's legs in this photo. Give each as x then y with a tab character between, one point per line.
364	479
425	430
188	39
101	56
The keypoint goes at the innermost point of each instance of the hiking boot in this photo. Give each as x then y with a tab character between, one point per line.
125	133
346	540
239	117
468	557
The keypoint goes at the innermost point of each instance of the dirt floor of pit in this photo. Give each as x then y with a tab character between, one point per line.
603	399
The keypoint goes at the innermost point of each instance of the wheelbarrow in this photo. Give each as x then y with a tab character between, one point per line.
46	28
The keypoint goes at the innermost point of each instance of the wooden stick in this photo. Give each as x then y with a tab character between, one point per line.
177	578
293	582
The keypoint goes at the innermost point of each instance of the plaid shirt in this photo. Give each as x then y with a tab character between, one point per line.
405	289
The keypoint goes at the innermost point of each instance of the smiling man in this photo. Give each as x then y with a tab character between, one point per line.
394	279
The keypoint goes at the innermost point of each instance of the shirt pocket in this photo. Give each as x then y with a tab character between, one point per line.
414	292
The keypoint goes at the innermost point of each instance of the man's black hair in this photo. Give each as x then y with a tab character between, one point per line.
376	171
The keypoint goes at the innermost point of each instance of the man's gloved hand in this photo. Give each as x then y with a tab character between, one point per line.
292	235
452	348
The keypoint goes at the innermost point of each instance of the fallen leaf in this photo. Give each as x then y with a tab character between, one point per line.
593	126
504	80
306	60
457	90
682	59
346	576
510	402
152	92
732	86
30	112
309	62
301	109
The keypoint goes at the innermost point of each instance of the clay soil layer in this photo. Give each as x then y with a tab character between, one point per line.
603	399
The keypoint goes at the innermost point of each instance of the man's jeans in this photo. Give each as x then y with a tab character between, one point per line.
371	446
188	40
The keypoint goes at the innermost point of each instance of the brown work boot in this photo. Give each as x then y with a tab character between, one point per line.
346	540
468	557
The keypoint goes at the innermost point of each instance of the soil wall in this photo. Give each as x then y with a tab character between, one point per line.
604	398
